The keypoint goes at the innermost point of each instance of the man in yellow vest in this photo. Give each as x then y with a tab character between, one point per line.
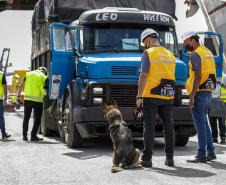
156	89
3	98
201	81
33	84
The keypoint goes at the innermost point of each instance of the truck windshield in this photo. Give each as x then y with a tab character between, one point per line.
122	37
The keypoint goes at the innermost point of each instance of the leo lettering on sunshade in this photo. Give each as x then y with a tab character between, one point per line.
106	16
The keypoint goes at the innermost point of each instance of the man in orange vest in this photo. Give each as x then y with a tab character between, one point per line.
156	89
201	81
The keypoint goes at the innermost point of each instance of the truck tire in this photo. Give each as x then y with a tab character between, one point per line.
72	136
181	141
44	130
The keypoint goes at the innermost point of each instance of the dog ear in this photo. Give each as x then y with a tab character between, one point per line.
113	102
104	107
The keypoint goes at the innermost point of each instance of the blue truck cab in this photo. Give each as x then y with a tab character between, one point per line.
97	58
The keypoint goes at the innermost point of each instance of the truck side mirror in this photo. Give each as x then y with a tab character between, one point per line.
180	54
76	53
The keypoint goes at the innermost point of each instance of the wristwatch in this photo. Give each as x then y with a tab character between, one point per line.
139	97
5	98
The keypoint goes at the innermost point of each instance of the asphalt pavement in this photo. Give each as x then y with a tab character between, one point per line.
51	162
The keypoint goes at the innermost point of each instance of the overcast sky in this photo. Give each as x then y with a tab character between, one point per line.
15	32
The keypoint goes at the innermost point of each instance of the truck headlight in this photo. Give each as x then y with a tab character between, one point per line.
98	90
97	101
184	92
83	94
184	101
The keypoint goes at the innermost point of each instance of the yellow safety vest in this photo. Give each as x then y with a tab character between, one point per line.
33	87
14	98
208	71
160	81
1	86
223	92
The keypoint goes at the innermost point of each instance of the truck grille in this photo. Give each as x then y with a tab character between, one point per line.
124	95
124	70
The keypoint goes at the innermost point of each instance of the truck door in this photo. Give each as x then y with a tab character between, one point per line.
214	42
62	68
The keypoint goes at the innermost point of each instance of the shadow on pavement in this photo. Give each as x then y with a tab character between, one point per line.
191	148
217	165
184	172
92	149
7	140
103	147
85	154
43	142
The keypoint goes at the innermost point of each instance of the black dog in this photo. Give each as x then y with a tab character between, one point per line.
125	155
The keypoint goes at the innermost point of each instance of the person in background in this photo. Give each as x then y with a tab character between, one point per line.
156	89
201	81
219	93
34	85
3	99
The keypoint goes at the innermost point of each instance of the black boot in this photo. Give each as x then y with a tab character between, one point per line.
215	140
169	162
25	138
36	138
223	141
5	135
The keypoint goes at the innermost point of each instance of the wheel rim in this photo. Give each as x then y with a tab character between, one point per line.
66	121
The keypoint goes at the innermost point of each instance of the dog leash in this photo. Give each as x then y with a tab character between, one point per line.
138	117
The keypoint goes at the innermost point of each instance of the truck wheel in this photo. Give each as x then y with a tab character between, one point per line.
44	130
72	136
181	141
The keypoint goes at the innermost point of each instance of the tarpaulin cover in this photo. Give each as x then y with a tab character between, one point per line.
69	10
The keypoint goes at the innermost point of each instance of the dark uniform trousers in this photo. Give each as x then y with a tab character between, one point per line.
153	106
28	107
222	127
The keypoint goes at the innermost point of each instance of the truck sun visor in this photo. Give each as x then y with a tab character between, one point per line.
69	10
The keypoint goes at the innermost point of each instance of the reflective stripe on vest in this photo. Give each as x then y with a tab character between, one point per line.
33	97
160	81
14	98
33	87
1	86
208	71
223	94
223	90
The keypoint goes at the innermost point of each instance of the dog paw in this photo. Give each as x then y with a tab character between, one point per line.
116	169
136	166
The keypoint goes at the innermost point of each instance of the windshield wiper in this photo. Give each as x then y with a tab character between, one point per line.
99	46
103	48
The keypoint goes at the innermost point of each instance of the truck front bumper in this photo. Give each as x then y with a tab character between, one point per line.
89	120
